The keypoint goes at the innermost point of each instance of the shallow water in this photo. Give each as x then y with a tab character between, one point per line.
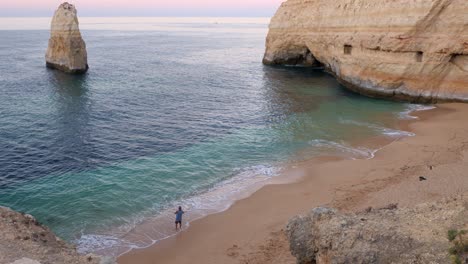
172	111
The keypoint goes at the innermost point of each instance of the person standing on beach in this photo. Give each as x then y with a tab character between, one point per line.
178	219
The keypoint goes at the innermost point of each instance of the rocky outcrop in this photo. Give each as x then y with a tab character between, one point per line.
24	241
387	235
67	50
406	50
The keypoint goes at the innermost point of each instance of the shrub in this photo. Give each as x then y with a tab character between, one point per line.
453	250
452	234
455	259
460	245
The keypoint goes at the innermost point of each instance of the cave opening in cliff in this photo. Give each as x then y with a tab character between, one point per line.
348	49
304	58
453	57
310	60
419	56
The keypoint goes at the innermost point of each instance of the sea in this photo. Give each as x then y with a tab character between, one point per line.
172	112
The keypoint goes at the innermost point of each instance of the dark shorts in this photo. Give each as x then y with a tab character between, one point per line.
178	222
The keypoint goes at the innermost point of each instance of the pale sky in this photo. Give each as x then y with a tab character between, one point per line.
13	8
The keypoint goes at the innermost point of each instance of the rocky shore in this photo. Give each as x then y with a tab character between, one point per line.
403	50
25	241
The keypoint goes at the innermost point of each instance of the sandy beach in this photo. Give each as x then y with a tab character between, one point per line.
251	231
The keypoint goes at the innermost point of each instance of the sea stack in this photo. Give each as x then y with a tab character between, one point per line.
67	50
404	50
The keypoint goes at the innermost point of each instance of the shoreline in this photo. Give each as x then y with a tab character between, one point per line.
155	229
321	191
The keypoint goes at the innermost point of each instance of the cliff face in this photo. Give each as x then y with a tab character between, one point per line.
387	235
67	50
404	49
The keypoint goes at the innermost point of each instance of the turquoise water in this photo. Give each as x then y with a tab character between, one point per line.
172	111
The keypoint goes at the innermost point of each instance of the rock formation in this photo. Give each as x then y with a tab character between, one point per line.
402	49
67	50
24	241
386	235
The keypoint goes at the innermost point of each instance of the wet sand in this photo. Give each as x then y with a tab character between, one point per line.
251	231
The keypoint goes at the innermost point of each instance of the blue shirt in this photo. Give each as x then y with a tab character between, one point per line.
179	216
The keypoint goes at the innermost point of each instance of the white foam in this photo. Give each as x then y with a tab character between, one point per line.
394	133
406	115
343	148
92	242
221	195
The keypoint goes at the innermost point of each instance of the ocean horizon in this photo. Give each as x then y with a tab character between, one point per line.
132	23
173	111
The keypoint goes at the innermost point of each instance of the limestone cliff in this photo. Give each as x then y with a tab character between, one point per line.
404	49
67	50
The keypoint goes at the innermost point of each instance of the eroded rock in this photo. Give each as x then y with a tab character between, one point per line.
23	240
67	49
386	235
